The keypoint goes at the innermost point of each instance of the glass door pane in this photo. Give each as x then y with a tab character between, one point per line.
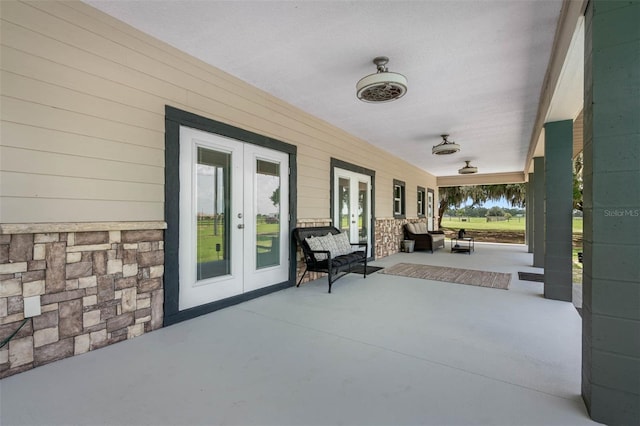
344	204
267	216
266	207
363	211
212	213
430	210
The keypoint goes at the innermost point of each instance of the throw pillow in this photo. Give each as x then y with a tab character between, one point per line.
343	243
421	228
329	243
315	243
411	228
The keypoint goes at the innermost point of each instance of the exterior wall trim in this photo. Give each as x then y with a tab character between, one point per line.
37	228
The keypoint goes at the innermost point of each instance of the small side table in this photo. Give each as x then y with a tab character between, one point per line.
462	245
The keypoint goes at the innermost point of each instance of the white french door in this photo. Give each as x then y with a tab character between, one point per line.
234	218
352	205
430	210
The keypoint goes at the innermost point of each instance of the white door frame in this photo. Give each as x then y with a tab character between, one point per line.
355	178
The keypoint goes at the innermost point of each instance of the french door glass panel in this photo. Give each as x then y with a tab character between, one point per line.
344	200
363	211
267	218
212	213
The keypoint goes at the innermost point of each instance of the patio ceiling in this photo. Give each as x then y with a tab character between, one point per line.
475	69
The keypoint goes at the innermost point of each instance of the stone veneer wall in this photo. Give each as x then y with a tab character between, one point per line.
96	288
389	235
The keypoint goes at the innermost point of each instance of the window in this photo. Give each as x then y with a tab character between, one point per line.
398	199
421	201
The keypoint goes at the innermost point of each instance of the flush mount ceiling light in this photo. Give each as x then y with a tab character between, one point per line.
445	147
468	169
383	86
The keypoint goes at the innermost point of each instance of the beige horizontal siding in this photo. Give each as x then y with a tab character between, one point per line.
53	141
43	69
315	186
42	46
36	210
83	98
28	89
53	164
306	210
28	113
15	184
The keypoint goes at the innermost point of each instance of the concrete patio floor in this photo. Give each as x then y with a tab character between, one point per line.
384	350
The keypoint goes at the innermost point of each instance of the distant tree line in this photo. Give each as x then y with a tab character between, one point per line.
454	196
476	211
451	198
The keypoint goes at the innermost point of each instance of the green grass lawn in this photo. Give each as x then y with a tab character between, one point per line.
517	225
577	266
480	223
208	239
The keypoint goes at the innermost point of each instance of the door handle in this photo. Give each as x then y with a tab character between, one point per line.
241	226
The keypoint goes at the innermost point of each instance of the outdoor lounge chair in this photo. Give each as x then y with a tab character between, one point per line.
424	240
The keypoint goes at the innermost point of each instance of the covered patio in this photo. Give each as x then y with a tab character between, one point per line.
385	350
106	108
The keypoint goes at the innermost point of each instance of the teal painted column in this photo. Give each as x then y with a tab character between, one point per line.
538	212
611	282
558	205
529	212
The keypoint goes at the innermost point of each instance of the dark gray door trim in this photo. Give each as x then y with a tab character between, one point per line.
363	171
174	118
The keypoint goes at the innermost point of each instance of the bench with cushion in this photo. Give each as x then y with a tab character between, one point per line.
328	250
424	240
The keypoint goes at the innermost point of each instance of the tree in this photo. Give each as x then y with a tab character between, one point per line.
470	211
514	193
481	211
495	211
275	197
577	182
453	196
450	196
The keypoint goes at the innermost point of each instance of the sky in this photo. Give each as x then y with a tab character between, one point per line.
206	188
502	203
